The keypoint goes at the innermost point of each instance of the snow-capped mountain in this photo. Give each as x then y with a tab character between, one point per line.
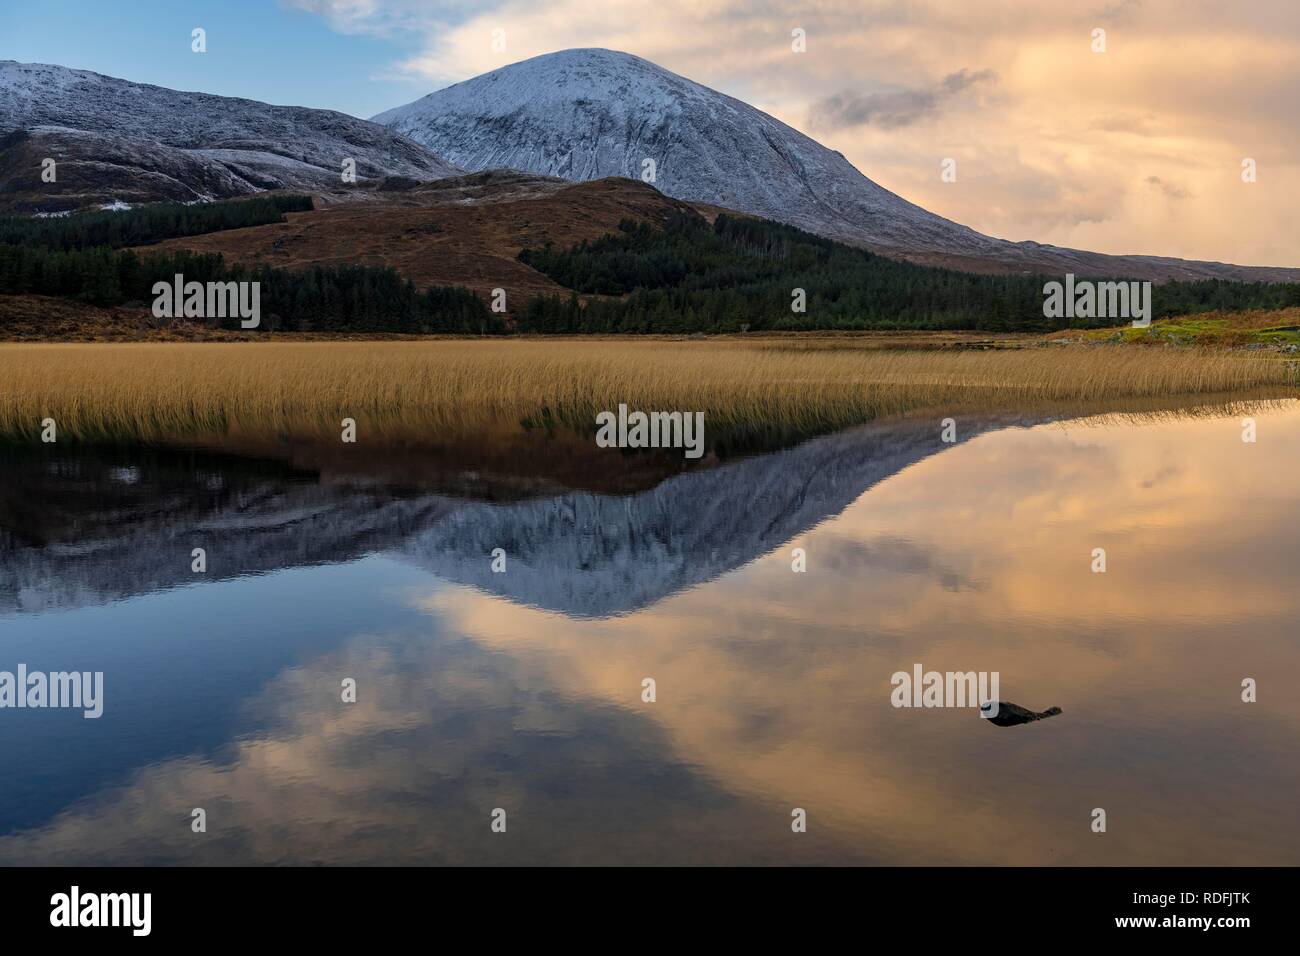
580	554
590	113
133	142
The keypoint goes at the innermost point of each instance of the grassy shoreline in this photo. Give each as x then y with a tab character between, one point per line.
447	390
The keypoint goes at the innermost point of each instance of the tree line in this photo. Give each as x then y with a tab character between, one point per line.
741	273
148	224
321	298
736	274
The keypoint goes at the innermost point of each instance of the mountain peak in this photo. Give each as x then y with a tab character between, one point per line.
589	113
552	80
133	142
585	114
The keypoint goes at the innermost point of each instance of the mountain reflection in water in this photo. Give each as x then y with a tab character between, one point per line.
522	690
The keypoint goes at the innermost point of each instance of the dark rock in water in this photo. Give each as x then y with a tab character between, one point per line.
1011	714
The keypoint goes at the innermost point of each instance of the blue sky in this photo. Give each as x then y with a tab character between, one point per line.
260	49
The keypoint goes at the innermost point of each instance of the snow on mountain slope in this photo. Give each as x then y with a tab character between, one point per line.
113	139
594	556
586	114
581	554
589	113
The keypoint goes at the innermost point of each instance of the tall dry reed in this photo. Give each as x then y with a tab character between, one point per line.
426	389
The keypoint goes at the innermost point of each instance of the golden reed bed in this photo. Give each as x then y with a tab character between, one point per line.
440	389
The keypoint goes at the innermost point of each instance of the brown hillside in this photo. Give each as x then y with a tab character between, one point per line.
462	231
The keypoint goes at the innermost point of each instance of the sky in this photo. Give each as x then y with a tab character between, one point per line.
1137	148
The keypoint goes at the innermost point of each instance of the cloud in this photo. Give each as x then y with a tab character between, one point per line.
892	554
1125	123
1120	11
346	16
954	83
387	18
1172	190
893	109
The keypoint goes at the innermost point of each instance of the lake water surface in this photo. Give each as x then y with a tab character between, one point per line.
523	690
